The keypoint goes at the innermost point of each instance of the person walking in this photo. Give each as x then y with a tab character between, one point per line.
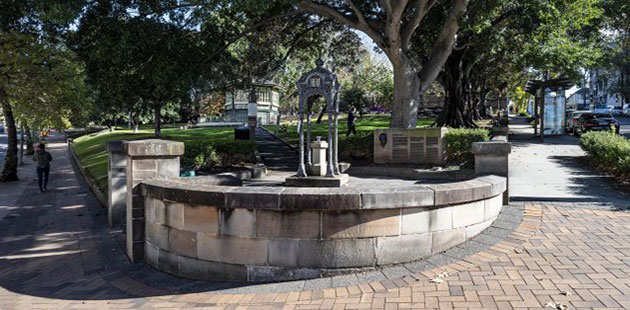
43	159
352	128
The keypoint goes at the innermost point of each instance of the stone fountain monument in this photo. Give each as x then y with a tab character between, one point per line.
319	160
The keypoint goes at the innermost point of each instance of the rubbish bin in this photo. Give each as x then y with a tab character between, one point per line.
241	133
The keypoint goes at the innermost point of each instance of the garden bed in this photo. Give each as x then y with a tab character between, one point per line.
92	154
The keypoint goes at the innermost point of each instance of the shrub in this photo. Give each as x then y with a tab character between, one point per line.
359	146
608	151
204	155
459	143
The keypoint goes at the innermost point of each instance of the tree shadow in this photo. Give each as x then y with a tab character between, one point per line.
588	188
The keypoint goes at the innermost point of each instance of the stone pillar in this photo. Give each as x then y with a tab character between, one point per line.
318	168
146	159
116	184
492	158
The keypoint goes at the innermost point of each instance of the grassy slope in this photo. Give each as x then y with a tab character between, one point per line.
92	150
367	124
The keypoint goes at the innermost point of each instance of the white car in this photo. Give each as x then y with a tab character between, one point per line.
626	110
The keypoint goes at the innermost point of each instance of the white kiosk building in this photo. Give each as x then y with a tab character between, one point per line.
267	100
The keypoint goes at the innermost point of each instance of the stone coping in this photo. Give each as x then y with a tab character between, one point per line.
305	198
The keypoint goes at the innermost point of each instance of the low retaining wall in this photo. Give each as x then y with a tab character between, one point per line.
253	234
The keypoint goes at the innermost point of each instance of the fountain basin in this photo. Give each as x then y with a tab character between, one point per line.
276	233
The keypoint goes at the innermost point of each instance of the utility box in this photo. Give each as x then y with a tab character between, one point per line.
241	133
410	146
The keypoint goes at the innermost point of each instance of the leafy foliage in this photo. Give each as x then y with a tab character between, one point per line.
459	143
205	155
608	151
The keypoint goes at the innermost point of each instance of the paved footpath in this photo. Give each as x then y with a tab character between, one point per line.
56	252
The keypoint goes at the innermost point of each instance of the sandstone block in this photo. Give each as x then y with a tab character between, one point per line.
212	271
287	224
253	197
402	249
237	222
493	207
444	240
320	199
157	234
234	250
383	198
468	213
167	168
182	242
476	229
144	164
168	262
361	224
421	220
283	252
198	218
153	147
175	215
268	273
337	253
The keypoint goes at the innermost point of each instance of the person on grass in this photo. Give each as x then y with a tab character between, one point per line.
43	159
352	127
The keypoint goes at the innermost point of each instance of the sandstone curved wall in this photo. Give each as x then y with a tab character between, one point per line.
253	234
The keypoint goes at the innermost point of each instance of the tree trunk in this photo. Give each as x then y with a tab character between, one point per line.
9	172
30	149
21	149
406	95
321	114
482	100
454	113
157	120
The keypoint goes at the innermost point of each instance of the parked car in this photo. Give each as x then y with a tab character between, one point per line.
595	121
616	111
600	108
626	110
572	118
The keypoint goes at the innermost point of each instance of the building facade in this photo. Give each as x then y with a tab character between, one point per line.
601	82
579	100
267	100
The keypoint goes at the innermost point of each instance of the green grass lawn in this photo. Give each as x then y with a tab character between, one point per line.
92	150
364	125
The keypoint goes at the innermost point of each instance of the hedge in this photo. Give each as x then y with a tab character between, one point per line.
459	143
205	155
359	146
608	151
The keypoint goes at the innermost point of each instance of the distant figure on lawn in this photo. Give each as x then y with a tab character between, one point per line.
352	128
43	159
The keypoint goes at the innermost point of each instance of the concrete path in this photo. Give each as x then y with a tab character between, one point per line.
557	171
275	154
56	252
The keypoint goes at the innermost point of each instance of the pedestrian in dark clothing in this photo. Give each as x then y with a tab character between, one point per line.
43	159
352	128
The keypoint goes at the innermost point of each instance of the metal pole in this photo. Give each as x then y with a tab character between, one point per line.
301	173
309	152
330	171
542	116
336	138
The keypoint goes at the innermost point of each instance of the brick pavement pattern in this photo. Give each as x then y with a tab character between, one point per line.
52	247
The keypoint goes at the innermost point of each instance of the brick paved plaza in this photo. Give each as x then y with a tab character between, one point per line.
56	252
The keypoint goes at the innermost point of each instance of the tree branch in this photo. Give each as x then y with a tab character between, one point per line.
327	11
443	46
422	7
